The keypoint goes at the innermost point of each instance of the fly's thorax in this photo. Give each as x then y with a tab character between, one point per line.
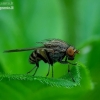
56	56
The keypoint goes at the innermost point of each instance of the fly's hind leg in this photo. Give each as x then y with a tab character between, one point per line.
31	70
36	66
35	71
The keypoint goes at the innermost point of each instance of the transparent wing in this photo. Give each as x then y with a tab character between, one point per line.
20	50
55	43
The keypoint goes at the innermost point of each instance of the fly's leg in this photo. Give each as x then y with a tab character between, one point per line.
48	70
52	71
35	71
70	73
66	62
69	62
36	66
48	60
72	63
31	70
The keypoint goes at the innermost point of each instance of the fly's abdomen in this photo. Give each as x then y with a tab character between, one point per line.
33	59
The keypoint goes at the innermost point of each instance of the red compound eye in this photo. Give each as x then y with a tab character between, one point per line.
70	51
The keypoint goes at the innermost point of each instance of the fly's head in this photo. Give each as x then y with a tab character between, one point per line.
70	52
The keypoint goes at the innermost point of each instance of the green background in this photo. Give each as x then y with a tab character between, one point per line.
75	21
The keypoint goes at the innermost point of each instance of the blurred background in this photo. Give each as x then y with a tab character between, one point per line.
29	21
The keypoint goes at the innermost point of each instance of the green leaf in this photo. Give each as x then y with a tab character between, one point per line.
64	81
21	86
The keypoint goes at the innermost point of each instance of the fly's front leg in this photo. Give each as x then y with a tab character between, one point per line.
70	62
70	73
66	62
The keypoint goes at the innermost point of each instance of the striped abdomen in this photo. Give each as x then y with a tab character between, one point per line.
33	59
